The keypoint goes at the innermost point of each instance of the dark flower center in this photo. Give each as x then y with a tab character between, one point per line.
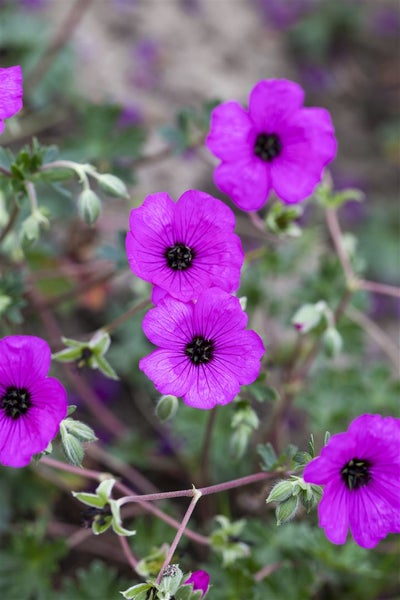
199	350
15	402
179	257
267	146
356	473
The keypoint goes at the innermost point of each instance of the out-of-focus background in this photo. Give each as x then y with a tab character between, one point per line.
128	85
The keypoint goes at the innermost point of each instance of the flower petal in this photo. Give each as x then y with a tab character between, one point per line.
168	325
170	372
308	145
229	130
247	183
273	101
10	91
333	512
212	384
32	432
22	359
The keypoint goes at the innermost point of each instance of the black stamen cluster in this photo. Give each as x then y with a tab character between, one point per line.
199	350
15	402
179	257
356	473
267	146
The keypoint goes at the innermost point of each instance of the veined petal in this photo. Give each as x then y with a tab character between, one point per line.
216	314
168	325
212	384
171	372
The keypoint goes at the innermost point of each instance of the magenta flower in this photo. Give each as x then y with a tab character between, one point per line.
361	473
184	247
32	405
10	93
205	354
200	581
276	144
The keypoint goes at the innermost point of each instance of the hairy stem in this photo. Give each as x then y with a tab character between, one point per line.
196	497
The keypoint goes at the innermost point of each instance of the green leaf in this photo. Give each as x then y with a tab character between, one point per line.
105	367
90	499
117	521
141	591
268	455
105	488
6	158
98	581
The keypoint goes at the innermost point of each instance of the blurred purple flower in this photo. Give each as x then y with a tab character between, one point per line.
282	14
10	93
130	116
200	580
316	77
360	470
192	7
384	307
276	144
32	405
146	57
204	353
184	247
385	21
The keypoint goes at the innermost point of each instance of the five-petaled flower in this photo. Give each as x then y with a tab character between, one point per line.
184	247
10	93
200	580
277	144
205	354
32	405
360	470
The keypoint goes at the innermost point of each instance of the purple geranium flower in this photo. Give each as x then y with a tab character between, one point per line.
276	145
10	93
200	580
205	354
184	247
361	473
32	405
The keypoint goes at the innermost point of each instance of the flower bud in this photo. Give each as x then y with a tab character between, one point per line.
112	184
308	317
332	341
281	491
89	206
166	407
200	580
286	510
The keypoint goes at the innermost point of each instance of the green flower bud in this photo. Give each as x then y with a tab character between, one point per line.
332	341
308	316
89	206
281	491
166	407
113	185
286	510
